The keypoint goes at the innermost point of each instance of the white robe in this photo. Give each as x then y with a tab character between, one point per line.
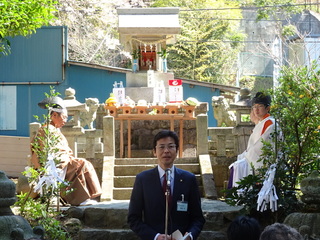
242	167
255	144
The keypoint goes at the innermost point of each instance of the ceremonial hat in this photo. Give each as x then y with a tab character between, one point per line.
55	104
261	98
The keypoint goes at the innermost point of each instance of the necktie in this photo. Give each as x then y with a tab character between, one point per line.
164	183
164	187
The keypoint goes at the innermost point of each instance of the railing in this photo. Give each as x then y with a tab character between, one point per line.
228	141
221	145
221	141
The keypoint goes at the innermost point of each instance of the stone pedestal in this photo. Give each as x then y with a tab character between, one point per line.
11	226
308	222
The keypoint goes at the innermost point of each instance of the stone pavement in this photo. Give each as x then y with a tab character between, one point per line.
108	220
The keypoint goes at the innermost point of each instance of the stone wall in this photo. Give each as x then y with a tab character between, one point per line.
143	132
223	144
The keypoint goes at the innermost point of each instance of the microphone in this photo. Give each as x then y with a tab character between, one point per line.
168	177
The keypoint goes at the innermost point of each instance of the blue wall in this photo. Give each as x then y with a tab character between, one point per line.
41	59
36	58
92	82
34	61
87	82
203	94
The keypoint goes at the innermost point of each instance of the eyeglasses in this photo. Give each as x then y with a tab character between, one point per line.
170	147
258	106
64	117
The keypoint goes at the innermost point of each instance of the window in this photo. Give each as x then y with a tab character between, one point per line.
8	108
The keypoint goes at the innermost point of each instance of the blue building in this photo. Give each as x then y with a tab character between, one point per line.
40	61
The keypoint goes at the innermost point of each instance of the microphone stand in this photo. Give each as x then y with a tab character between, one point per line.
168	188
167	212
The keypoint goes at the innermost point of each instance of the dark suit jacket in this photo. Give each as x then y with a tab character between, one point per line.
147	205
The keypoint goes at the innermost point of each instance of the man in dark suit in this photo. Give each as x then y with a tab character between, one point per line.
147	208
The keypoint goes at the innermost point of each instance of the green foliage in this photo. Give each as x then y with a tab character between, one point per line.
289	30
296	106
4	46
256	83
296	150
37	211
249	188
163	54
246	195
136	54
267	9
45	143
23	18
245	118
207	48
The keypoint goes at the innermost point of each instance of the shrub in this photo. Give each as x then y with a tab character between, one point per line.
296	108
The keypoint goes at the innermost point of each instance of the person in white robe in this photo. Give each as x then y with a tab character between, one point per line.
247	162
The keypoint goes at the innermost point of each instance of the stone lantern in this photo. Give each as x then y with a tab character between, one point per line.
308	222
72	130
13	227
244	126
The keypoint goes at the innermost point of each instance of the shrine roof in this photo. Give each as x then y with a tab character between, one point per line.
224	89
98	66
148	21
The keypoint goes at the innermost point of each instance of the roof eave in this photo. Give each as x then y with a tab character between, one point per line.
225	88
97	66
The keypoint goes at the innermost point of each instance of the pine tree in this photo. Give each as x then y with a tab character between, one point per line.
208	45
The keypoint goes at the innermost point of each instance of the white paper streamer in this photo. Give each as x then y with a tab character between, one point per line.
51	178
267	194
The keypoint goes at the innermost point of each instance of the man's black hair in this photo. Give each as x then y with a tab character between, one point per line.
262	98
164	134
244	228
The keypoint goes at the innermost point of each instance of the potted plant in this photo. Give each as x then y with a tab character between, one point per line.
164	55
135	55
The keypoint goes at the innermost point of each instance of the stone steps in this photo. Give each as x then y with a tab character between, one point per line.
125	234
126	169
107	234
128	181
122	193
140	161
133	170
108	220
